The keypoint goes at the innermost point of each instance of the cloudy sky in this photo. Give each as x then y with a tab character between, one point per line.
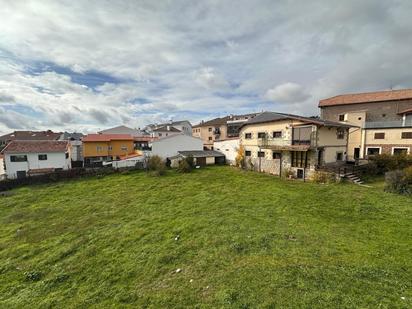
88	65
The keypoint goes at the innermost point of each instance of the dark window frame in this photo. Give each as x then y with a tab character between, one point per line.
379	135
340	133
276	155
277	134
406	135
42	157
18	158
248	135
261	154
261	135
248	153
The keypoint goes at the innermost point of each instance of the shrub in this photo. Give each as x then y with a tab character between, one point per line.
386	162
156	166
287	173
399	181
323	177
184	167
190	160
240	157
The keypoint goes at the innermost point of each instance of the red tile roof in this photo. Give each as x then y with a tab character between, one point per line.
107	137
407	111
31	135
367	97
36	146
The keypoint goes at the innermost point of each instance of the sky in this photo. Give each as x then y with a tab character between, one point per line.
89	65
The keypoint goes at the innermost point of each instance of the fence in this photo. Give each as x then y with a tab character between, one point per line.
9	184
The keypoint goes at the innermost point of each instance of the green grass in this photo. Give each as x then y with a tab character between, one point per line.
247	240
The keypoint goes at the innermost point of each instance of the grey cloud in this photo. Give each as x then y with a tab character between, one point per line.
99	116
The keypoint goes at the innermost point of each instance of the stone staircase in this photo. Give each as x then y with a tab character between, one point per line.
353	178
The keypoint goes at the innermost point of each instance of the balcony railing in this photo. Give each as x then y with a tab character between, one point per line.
278	142
388	124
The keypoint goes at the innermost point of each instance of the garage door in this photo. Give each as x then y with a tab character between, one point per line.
201	161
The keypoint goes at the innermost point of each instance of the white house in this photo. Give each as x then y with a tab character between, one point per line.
170	146
229	147
183	126
28	158
2	171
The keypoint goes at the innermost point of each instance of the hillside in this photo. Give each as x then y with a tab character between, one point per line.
240	240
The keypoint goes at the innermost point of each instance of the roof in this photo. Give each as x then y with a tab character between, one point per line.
71	136
31	135
266	117
201	153
122	130
213	122
406	111
367	97
107	137
36	146
166	128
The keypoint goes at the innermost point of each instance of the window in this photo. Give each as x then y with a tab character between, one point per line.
277	134
248	135
248	153
124	148
276	155
406	135
383	115
359	118
261	134
99	148
160	134
400	150
379	136
339	156
210	138
342	117
299	158
261	154
18	158
109	148
42	157
340	133
210	129
67	155
371	151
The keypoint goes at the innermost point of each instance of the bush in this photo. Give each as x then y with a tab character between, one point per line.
184	167
240	157
323	177
156	166
191	161
386	162
399	181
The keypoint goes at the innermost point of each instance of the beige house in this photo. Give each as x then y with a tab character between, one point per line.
383	121
219	129
278	143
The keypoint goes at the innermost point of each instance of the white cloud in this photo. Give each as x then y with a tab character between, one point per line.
287	93
209	78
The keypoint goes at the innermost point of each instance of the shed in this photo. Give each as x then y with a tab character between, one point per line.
201	157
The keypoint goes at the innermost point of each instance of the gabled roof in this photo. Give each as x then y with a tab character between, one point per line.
66	136
367	97
36	146
31	136
107	137
123	130
266	117
406	111
213	122
166	128
201	153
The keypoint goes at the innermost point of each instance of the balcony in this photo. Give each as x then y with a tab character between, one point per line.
281	144
388	124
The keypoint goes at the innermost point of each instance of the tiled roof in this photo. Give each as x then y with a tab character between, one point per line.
406	111
36	146
31	136
213	122
201	153
367	97
107	137
123	130
266	117
166	128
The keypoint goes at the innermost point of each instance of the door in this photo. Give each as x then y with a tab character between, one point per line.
201	161
21	174
356	153
320	157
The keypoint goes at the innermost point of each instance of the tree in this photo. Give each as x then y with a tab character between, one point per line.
240	158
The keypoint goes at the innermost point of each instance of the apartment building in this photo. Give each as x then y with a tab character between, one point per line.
277	143
383	121
219	129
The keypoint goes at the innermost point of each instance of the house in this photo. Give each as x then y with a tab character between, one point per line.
76	147
277	143
184	126
28	136
165	131
200	157
2	169
30	158
383	121
229	147
170	146
219	128
99	148
141	138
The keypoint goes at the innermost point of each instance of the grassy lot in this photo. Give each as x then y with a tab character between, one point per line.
247	240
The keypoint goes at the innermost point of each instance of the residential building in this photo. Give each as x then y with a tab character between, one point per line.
76	147
383	121
28	136
141	138
170	146
184	126
279	143
2	168
165	131
229	147
99	148
200	157
219	128
30	158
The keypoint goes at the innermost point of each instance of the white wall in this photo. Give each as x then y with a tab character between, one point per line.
169	146
2	171
229	148
54	160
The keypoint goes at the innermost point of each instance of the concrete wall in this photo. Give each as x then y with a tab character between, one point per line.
229	148
169	146
54	160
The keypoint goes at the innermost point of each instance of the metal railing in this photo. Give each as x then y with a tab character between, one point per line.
388	124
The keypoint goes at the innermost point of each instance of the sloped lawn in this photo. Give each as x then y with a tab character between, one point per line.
244	240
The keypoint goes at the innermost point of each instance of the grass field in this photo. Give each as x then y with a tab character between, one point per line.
246	240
